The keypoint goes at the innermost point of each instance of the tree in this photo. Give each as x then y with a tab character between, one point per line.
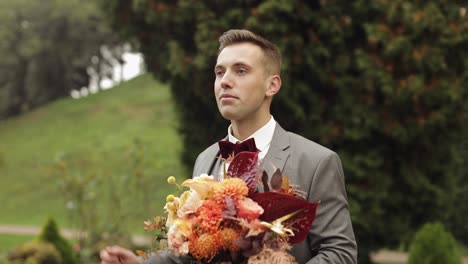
50	233
432	244
47	47
381	82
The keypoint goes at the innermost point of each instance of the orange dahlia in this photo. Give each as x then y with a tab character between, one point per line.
234	187
210	215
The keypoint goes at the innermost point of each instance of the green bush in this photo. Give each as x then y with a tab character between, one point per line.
50	233
433	244
35	253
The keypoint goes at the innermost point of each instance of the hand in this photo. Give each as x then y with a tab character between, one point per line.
118	255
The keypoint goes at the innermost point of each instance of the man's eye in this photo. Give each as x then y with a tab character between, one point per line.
219	73
241	71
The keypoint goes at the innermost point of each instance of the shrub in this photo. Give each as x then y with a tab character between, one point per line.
35	252
433	244
51	234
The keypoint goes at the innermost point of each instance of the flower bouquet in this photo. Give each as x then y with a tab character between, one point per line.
229	221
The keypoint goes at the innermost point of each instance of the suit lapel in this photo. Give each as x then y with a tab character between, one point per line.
216	167
209	164
278	152
217	163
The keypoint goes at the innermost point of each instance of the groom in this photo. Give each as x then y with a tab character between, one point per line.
247	78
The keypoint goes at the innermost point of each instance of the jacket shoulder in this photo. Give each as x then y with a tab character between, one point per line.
303	145
214	148
204	161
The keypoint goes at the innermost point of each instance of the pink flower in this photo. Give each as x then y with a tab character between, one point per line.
177	236
248	209
189	204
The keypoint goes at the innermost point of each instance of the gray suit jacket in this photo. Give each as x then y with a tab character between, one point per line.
318	171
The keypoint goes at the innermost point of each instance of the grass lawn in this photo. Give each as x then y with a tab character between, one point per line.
8	242
124	139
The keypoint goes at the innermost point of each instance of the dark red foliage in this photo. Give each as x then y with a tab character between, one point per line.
244	166
277	205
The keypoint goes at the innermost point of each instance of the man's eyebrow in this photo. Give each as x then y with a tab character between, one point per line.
243	64
237	64
218	67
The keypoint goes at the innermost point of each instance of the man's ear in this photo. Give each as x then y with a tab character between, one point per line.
274	85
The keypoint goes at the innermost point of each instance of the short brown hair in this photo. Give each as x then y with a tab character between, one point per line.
270	50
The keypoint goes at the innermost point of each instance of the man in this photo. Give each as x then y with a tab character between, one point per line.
247	77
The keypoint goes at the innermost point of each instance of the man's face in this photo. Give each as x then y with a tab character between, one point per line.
241	82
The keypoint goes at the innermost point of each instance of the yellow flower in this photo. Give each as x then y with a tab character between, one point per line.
171	210
171	207
171	180
170	198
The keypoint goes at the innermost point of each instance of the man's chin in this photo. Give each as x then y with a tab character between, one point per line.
229	115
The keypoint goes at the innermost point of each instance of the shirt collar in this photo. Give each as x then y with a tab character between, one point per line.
262	136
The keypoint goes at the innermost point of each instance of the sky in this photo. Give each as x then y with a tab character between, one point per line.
134	66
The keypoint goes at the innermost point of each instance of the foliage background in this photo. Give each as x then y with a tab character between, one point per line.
383	83
50	48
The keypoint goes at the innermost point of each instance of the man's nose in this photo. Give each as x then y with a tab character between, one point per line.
226	81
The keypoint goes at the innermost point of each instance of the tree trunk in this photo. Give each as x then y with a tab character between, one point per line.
18	97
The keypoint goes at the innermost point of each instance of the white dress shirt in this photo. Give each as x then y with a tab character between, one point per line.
262	137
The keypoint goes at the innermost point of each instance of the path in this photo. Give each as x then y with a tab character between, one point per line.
34	230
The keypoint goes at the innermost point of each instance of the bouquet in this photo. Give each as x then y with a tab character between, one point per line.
229	221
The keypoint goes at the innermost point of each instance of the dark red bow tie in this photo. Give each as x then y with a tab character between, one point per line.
227	148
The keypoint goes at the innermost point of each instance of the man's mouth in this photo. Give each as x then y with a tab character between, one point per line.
228	96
